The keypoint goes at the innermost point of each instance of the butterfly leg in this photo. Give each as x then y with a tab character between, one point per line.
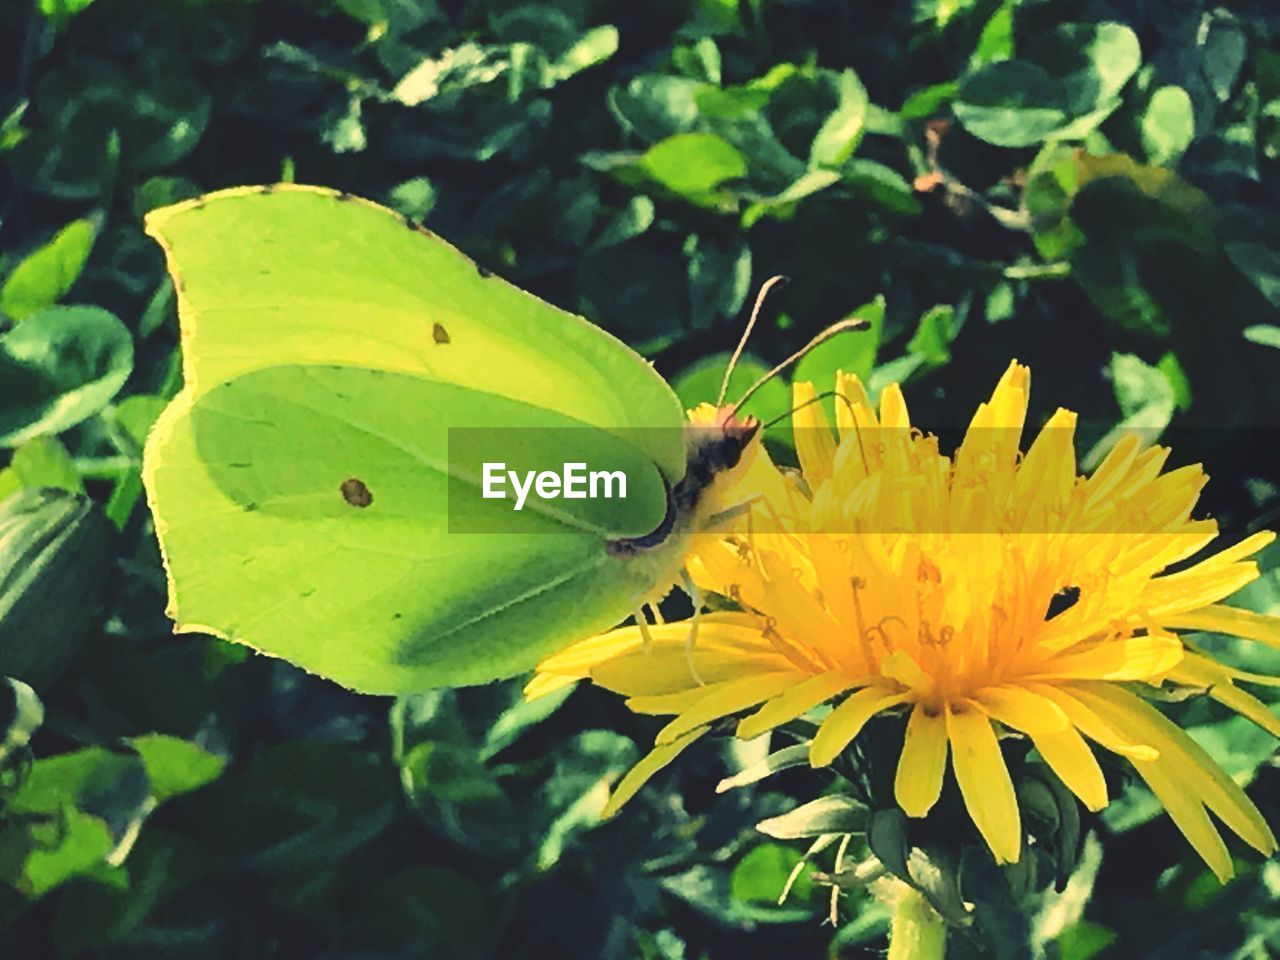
646	638
732	513
695	595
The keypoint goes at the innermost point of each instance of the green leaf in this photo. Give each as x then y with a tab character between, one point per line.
1067	84
879	184
1084	940
1222	50
1168	126
693	164
1111	53
887	838
1261	265
834	814
45	276
840	134
59	367
761	875
73	778
1147	401
719	279
1170	366
40	462
176	766
21	715
450	773
928	101
784	759
60	12
82	844
578	789
519	718
55	560
995	43
854	352
932	339
160	309
1263	334
1141	389
1010	104
415	198
936	874
593	47
782	205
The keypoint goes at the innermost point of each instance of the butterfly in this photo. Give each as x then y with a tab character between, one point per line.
315	485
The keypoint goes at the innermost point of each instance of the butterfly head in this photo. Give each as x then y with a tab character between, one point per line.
718	441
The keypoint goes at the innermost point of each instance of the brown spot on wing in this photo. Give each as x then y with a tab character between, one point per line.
439	334
356	492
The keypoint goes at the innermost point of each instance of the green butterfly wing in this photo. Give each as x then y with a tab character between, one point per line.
302	484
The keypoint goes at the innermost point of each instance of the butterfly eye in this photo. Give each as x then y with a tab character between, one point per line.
1062	601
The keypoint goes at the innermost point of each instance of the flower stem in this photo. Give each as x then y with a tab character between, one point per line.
918	933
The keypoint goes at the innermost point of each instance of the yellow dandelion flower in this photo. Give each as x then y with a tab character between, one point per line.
989	591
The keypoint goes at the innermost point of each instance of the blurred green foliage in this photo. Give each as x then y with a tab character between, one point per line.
1090	187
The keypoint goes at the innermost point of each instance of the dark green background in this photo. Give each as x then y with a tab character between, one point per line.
1088	187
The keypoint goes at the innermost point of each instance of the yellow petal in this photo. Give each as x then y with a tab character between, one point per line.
1074	763
651	763
1199	670
730	697
853	409
815	443
1047	473
1137	658
846	720
796	702
1231	621
1093	726
664	667
1247	705
1114	468
893	409
1166	596
738	629
542	684
918	781
1196	772
900	666
1189	816
985	783
1209	581
1018	707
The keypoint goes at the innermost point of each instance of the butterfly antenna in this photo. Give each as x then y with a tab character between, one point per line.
746	334
851	323
825	395
818	399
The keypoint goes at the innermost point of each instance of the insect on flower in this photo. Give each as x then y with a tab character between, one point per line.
987	591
